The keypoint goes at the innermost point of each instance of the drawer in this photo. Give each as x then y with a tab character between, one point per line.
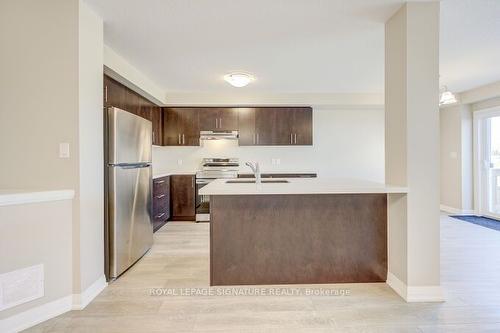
161	186
160	203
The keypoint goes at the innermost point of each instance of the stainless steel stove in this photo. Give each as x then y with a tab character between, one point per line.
212	169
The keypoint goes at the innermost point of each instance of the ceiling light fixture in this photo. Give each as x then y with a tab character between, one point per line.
238	79
447	97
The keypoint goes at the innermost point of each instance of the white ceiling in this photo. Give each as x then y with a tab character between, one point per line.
469	43
306	46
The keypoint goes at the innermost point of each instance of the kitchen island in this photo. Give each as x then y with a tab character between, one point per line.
298	231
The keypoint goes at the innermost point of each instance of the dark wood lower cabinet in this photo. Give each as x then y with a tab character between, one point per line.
161	202
182	191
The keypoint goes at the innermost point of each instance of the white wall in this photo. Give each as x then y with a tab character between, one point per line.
89	239
451	157
347	143
46	240
51	92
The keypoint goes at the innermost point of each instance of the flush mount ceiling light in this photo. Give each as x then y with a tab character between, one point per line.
446	97
238	79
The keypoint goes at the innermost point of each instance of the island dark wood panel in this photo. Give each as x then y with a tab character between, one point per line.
298	239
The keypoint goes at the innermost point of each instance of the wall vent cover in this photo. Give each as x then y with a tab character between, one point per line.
21	286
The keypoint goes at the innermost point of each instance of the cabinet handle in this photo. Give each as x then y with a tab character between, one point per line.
220	122
257	138
295	138
106	93
160	196
153	137
291	135
159	181
192	182
179	140
159	215
183	139
216	123
253	138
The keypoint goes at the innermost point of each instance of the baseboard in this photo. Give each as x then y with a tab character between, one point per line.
456	211
397	285
424	294
80	301
36	315
415	293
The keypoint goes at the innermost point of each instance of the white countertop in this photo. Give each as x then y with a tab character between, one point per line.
19	197
249	172
300	186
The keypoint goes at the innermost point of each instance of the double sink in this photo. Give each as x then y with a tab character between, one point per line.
264	181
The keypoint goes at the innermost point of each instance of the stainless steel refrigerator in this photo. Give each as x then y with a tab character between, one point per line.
128	182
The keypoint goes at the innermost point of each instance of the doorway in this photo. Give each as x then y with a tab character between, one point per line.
487	162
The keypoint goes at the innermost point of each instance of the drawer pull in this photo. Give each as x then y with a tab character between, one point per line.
160	196
159	181
159	215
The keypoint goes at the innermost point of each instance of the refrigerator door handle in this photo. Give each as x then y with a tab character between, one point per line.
131	166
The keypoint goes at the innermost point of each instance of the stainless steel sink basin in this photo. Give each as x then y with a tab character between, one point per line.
264	181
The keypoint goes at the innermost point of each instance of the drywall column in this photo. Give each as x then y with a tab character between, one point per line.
412	150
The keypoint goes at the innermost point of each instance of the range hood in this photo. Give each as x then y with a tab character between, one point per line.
218	135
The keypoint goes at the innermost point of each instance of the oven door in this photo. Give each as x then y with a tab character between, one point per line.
202	201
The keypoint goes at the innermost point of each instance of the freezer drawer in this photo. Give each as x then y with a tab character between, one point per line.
130	231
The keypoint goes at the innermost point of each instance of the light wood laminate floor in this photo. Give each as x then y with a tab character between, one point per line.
179	259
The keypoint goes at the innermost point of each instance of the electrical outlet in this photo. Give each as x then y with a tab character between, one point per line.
179	162
278	161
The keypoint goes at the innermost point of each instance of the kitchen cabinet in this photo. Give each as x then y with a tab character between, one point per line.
117	95
181	127
157	120
218	119
246	126
183	201
161	202
275	126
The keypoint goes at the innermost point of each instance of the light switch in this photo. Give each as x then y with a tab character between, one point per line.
179	162
64	150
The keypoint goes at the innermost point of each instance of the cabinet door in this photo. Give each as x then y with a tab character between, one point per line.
182	190
246	126
190	133
282	128
265	123
302	126
209	119
228	119
157	120
171	127
114	94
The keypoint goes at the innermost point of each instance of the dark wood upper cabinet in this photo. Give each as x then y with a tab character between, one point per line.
275	126
209	119
181	127
302	126
117	95
246	126
157	120
218	119
182	193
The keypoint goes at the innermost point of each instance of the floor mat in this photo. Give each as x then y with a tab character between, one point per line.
479	220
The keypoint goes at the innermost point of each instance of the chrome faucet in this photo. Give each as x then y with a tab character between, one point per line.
256	170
